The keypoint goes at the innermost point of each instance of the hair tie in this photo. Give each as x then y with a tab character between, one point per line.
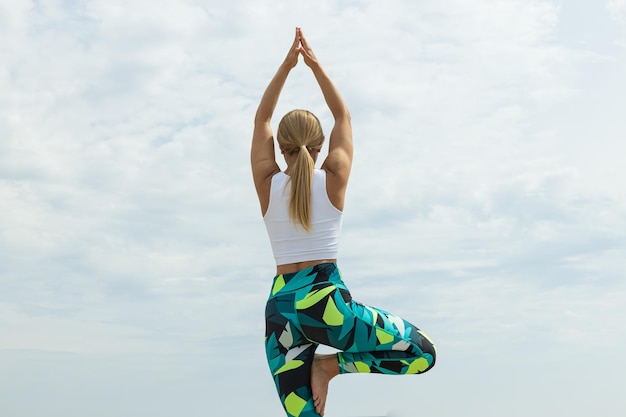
308	148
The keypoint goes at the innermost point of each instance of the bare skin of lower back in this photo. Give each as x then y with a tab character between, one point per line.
298	266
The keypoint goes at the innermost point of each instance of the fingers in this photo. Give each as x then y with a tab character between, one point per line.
291	60
303	41
296	40
304	48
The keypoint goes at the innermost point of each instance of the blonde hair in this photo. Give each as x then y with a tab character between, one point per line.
300	131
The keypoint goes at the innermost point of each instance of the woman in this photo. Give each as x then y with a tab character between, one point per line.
309	304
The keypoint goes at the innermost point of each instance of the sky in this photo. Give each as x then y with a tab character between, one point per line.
486	203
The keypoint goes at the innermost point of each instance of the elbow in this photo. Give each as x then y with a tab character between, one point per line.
260	121
344	114
262	115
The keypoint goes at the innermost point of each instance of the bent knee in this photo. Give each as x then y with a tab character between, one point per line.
428	350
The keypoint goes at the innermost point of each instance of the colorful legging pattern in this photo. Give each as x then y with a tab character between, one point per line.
313	307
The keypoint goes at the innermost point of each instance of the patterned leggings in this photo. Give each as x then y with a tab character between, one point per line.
312	307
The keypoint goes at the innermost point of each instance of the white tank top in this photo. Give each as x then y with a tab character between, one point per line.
290	241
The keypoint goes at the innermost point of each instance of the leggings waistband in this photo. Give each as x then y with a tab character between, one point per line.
324	272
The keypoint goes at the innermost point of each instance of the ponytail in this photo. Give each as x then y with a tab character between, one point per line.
299	132
301	184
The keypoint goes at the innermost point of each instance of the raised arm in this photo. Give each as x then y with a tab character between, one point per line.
262	154
339	160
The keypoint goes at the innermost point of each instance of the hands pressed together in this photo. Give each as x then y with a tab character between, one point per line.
300	46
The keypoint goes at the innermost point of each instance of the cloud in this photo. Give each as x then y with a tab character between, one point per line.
485	202
617	8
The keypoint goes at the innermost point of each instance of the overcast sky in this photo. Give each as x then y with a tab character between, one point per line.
486	204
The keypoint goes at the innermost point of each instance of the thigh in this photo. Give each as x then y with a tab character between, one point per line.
289	356
376	329
328	315
284	343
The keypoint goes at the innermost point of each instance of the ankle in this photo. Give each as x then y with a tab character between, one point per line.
330	364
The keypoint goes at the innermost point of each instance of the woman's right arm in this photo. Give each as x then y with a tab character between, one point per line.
262	155
340	150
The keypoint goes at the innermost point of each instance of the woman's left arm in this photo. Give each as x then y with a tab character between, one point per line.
262	154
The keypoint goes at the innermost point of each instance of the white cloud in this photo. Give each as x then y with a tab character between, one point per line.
618	10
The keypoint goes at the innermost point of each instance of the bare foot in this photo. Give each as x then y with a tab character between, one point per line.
323	369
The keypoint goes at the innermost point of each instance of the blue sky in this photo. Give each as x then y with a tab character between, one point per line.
486	203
